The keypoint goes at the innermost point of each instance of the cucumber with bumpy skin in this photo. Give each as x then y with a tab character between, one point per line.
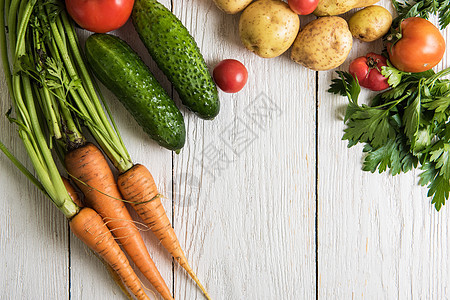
123	72
176	53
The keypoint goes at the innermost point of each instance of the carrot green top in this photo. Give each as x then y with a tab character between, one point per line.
49	84
23	93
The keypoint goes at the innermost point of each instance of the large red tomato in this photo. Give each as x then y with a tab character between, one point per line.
420	47
100	15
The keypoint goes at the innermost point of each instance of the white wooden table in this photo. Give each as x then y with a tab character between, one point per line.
266	199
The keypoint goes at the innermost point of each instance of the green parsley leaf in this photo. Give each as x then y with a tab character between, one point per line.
411	119
423	139
345	85
440	104
440	156
393	75
403	127
395	154
368	125
397	92
423	9
438	186
444	13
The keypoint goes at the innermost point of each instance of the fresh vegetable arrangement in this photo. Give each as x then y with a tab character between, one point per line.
56	102
326	49
46	73
121	70
269	28
405	126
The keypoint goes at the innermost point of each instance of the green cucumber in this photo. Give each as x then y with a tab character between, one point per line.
176	53
123	72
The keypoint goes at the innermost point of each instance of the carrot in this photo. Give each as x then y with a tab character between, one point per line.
75	198
95	178
89	227
116	278
138	188
72	193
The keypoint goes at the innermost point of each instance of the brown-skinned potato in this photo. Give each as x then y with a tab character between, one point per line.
370	23
232	6
322	44
268	27
337	7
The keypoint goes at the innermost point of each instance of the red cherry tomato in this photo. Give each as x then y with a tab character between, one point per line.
100	15
303	7
420	47
367	69
230	75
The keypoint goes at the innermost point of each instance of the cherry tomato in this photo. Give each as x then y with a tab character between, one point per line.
100	15
303	7
230	75
367	69
420	47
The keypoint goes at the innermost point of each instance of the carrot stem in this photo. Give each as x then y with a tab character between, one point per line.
12	24
91	88
4	48
20	166
87	100
27	118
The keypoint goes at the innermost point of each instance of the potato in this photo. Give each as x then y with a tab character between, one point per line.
337	7
232	6
268	27
322	44
370	23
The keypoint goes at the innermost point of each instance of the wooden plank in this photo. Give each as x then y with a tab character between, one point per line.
379	236
33	233
245	182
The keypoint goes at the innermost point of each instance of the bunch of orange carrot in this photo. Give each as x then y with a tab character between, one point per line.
54	99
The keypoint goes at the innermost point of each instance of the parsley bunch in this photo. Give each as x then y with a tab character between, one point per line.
423	9
404	127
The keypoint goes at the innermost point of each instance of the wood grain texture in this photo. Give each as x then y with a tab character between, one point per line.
245	198
379	235
33	233
244	195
